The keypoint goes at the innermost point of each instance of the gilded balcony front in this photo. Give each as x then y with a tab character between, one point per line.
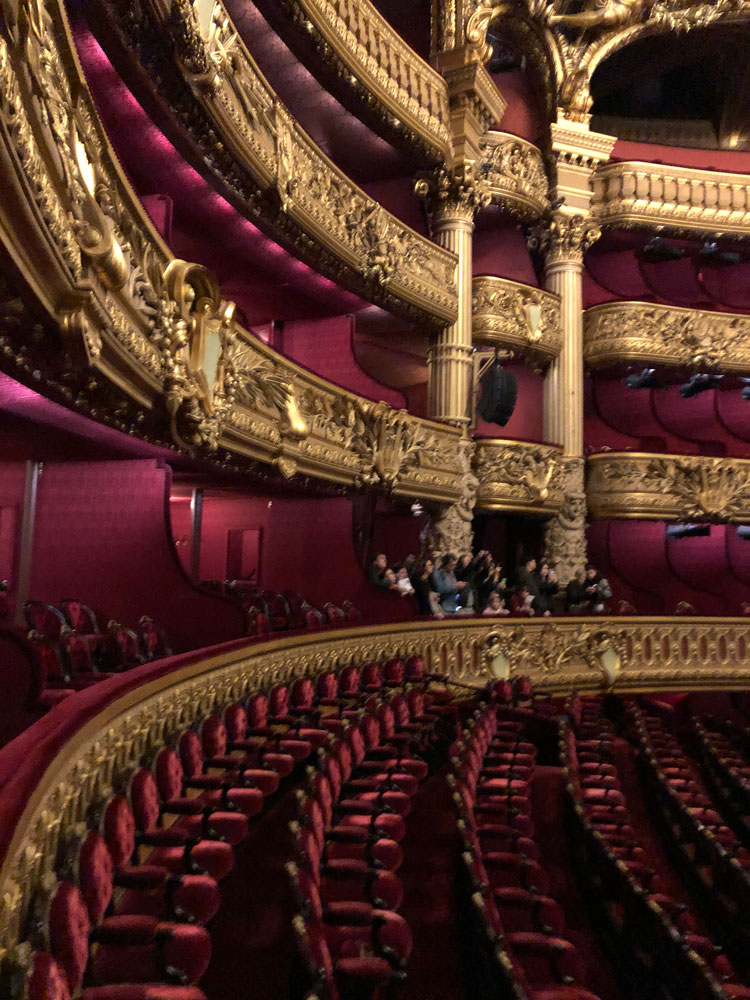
377	74
626	485
676	199
519	317
514	169
518	477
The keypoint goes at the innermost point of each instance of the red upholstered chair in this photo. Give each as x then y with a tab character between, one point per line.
255	767
337	843
314	618
226	778
132	947
685	608
50	681
258	623
371	677
259	724
124	645
304	702
43	619
5	606
80	617
152	640
333	613
351	613
353	928
300	724
266	747
150	888
222	819
173	848
394	672
325	787
297	606
278	610
349	683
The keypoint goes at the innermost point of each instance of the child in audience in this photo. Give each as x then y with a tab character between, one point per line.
403	583
496	606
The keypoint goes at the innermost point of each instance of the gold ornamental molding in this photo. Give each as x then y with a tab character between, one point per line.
588	654
676	199
520	317
386	78
225	112
519	477
95	310
514	170
649	334
624	485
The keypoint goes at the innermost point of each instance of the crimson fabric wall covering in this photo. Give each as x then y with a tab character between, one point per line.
527	421
102	536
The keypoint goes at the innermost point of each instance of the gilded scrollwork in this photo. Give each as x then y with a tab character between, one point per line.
514	170
462	191
565	237
520	317
518	476
669	487
667	335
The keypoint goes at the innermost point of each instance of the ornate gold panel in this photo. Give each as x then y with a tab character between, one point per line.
229	114
519	477
676	199
514	169
520	317
386	75
668	487
591	654
666	335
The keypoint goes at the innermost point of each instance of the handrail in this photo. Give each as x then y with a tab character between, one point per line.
60	768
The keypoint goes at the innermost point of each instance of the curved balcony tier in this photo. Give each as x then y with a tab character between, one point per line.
514	169
677	200
518	477
96	309
366	63
71	761
625	485
211	100
520	317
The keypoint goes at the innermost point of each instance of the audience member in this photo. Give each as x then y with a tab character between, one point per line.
377	570
549	588
522	603
403	583
447	586
427	599
490	581
578	599
389	578
410	563
496	606
466	569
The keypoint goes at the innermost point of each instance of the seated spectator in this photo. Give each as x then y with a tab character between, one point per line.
428	602
447	586
466	572
389	580
496	606
528	577
578	595
548	588
491	580
410	563
378	569
522	603
403	583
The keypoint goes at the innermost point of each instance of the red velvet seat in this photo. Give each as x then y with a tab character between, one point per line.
224	810
47	981
233	774
43	619
281	713
152	640
152	889
349	842
259	724
124	644
174	847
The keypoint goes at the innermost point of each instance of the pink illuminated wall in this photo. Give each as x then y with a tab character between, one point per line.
102	535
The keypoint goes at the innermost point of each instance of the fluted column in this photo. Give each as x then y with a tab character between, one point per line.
452	200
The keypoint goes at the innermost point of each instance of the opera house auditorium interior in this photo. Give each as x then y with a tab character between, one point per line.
374	500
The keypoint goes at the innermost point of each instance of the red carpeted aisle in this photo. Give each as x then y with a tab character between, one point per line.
547	795
431	850
253	946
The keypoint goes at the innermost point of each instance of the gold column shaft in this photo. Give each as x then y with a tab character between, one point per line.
563	387
449	361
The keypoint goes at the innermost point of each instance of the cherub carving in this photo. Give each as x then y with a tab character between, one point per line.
604	14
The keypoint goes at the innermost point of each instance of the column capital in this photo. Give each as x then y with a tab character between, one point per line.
564	238
456	194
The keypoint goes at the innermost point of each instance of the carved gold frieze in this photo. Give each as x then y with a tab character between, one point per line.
593	654
666	335
676	199
668	487
371	61
520	317
253	145
514	169
518	476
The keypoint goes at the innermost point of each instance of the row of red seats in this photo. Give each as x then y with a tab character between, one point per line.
269	611
708	848
522	928
661	932
728	774
124	920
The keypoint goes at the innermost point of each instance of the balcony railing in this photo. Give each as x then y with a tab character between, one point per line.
520	317
519	476
677	199
515	171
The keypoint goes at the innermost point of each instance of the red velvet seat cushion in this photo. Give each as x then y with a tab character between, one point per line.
184	947
46	981
213	857
143	991
196	896
69	926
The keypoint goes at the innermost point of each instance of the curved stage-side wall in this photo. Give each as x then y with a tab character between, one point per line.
57	770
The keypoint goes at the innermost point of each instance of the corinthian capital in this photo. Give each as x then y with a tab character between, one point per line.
459	192
565	237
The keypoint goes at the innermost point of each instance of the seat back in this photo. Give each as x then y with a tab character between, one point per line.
118	829
95	875
169	774
124	645
44	619
80	617
152	640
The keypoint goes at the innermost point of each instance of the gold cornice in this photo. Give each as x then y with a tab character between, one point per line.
370	59
95	310
225	113
508	314
514	169
639	485
590	654
674	199
650	334
518	477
